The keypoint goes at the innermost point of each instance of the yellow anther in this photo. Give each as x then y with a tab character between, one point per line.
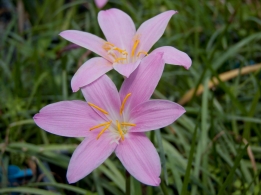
98	108
103	130
123	102
128	124
119	50
144	52
135	45
100	125
108	43
119	59
120	130
107	46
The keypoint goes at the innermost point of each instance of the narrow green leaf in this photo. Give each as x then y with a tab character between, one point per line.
162	156
232	171
190	159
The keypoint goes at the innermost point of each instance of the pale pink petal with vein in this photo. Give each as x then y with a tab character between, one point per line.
67	118
117	27
143	81
103	93
88	41
89	72
140	158
154	114
174	56
100	3
90	154
126	69
151	30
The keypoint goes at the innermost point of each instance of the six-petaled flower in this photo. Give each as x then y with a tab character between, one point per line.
125	47
115	121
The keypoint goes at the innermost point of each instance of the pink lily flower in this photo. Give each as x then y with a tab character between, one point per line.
100	3
125	47
114	121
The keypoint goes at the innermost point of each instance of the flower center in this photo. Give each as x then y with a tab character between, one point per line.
121	55
117	127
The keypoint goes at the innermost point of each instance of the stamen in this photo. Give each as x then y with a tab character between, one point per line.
107	46
98	108
128	124
103	130
120	130
144	52
100	125
110	52
119	59
135	45
123	102
119	50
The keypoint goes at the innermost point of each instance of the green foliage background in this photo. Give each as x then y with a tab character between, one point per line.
215	148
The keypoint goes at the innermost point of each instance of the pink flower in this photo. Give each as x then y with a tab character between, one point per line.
100	3
114	121
124	48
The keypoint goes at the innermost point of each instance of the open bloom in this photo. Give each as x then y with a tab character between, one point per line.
114	121
100	3
125	47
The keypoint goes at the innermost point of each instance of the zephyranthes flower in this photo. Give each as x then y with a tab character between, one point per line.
124	48
100	3
114	121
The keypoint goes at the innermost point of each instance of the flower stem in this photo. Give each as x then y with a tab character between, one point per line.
128	183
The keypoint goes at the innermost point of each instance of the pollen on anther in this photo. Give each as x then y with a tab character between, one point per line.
120	130
103	130
98	108
124	102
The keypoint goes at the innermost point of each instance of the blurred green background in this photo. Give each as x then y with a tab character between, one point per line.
215	148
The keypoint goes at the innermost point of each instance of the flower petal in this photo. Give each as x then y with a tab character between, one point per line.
151	30
174	56
67	118
154	114
104	94
100	3
88	41
140	158
126	69
89	72
117	27
90	154
143	81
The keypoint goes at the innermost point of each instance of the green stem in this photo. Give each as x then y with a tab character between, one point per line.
128	183
164	188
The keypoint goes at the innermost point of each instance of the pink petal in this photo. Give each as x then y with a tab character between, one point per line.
143	81
100	3
104	94
90	154
89	72
117	27
140	158
67	118
174	56
126	69
151	30
88	41
155	114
